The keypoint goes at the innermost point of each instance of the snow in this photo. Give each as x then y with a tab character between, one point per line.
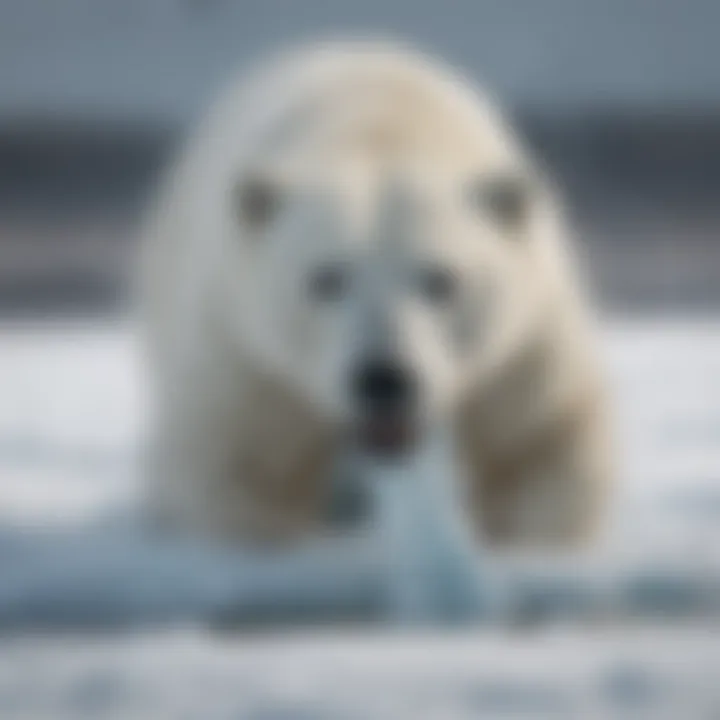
633	625
332	677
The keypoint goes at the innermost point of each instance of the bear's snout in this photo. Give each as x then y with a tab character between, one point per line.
386	396
384	386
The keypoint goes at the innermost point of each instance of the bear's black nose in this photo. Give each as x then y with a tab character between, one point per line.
384	386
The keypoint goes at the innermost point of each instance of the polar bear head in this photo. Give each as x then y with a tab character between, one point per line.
379	241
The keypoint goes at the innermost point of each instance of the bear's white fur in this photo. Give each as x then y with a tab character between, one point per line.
363	142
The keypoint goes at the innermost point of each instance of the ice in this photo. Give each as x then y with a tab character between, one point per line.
75	556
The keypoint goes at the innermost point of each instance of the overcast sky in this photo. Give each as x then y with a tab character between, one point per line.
162	58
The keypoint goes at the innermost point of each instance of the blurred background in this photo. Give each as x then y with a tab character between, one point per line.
621	100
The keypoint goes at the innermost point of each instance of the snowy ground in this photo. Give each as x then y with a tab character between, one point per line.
72	559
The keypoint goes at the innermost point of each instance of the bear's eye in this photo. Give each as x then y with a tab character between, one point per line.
257	201
505	197
438	285
328	283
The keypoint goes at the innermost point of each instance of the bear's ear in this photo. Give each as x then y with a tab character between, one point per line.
256	201
505	197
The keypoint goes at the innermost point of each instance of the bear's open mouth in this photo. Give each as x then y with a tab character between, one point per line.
388	434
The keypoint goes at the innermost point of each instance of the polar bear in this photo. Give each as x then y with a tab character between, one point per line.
352	251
